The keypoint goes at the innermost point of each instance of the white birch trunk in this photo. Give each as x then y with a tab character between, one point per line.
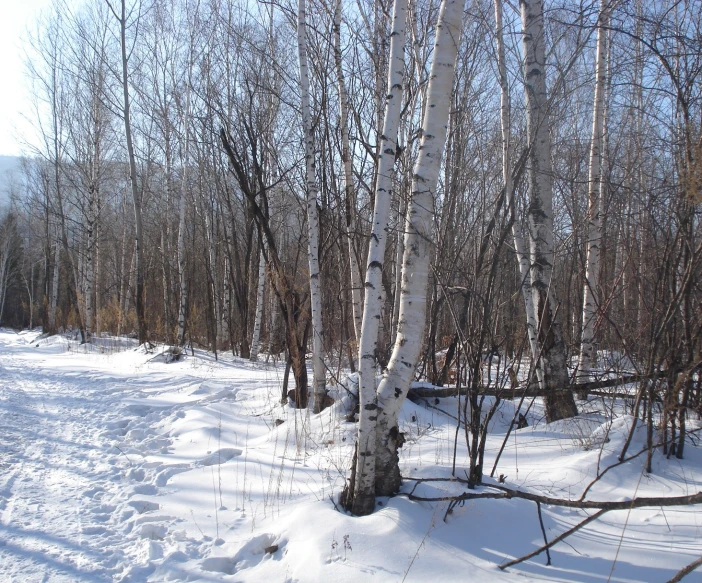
90	262
552	358
166	229
399	253
210	222
7	233
588	354
97	278
93	206
54	288
319	381
181	226
507	151
136	198
256	337
364	487
185	161
349	190
125	277
418	242
226	295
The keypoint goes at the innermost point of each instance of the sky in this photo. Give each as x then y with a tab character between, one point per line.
17	18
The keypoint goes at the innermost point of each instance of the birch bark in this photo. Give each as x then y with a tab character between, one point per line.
594	235
552	358
364	486
418	242
54	286
256	338
349	190
136	198
507	151
124	276
185	160
319	382
93	210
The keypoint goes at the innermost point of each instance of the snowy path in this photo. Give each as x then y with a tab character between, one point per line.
108	462
61	498
75	475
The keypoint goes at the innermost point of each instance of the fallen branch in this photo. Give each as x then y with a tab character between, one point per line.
509	493
427	392
602	507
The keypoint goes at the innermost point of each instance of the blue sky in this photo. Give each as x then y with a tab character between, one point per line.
17	17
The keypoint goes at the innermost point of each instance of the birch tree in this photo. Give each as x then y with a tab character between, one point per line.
121	18
258	318
9	255
319	380
507	152
559	402
364	487
349	190
88	145
594	221
186	114
395	384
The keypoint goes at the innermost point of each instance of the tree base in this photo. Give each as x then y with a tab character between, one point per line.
387	463
300	401
560	405
360	503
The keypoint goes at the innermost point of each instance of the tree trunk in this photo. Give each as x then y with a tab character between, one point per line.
594	236
124	282
182	310
92	219
364	486
319	377
418	242
507	151
136	198
552	357
256	337
349	190
54	288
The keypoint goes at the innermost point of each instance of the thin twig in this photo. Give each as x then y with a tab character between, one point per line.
543	531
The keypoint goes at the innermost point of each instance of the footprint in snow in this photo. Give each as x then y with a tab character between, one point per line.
220	456
94	493
136	474
137	434
219	565
163	476
248	556
140	410
153	531
142	506
93	529
145	489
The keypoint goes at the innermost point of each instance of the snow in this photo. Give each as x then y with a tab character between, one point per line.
118	466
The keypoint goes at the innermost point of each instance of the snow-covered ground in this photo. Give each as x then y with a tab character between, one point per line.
118	466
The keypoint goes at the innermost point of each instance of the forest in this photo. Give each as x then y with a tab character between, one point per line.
484	200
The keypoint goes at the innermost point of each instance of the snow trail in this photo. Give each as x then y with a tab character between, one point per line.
56	524
72	467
